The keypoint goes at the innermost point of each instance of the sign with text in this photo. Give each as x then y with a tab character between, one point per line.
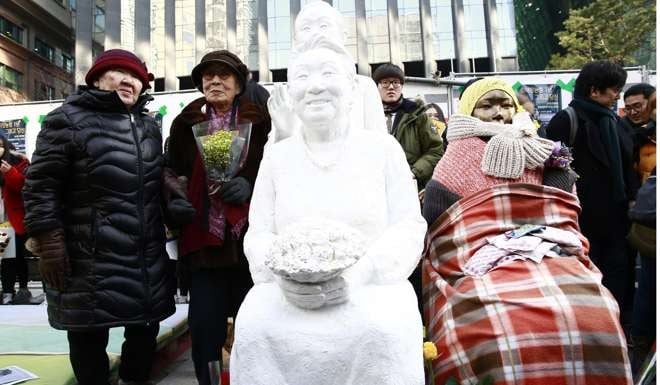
14	131
546	99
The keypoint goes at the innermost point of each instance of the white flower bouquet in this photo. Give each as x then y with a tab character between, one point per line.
223	152
315	250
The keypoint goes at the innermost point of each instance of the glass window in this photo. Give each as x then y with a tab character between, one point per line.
410	30
443	29
128	24
99	20
378	39
67	63
246	33
506	27
10	78
44	50
347	9
43	91
157	63
216	25
279	33
184	18
475	29
11	30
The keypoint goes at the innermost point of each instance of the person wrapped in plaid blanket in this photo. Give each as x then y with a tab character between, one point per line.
509	289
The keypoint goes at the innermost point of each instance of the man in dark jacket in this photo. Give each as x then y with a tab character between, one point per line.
211	246
603	159
407	121
92	202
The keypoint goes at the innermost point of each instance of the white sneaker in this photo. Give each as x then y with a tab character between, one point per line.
6	298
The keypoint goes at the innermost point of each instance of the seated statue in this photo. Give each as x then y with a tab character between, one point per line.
360	326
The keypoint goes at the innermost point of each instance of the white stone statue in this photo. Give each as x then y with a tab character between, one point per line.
315	19
356	325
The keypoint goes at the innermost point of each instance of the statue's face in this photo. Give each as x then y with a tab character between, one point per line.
495	106
318	20
319	86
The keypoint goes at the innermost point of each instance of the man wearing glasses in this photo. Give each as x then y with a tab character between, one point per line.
406	120
636	100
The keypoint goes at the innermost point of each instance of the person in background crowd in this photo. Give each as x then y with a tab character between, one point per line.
12	176
499	301
529	106
93	213
642	238
636	99
407	121
434	112
212	244
645	143
639	104
603	159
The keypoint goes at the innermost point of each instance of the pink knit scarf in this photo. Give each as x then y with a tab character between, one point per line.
459	169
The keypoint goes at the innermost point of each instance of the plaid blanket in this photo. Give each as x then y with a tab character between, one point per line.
523	323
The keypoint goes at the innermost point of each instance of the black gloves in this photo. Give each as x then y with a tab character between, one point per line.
181	211
236	191
50	247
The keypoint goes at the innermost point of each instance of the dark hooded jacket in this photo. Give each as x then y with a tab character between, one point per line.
181	155
96	173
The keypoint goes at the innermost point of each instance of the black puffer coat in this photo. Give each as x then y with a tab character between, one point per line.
96	173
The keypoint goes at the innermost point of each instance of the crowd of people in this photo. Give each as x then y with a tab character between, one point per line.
528	269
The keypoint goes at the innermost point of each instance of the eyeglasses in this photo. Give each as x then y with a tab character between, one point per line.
388	83
637	107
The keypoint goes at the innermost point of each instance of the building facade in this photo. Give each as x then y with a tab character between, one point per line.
36	50
377	31
47	46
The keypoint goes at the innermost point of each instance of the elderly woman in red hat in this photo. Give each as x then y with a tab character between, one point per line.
211	246
92	202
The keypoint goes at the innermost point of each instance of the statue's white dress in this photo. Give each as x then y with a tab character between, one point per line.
375	337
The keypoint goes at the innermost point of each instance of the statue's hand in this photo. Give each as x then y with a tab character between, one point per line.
315	295
284	120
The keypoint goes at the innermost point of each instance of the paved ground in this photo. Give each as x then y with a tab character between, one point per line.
180	372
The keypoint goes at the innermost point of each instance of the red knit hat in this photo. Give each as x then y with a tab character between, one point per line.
119	58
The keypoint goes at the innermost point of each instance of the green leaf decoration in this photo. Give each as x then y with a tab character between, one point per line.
25	120
41	118
566	86
162	110
181	104
517	86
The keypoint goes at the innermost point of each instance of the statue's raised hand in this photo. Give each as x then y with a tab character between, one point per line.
284	121
315	295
